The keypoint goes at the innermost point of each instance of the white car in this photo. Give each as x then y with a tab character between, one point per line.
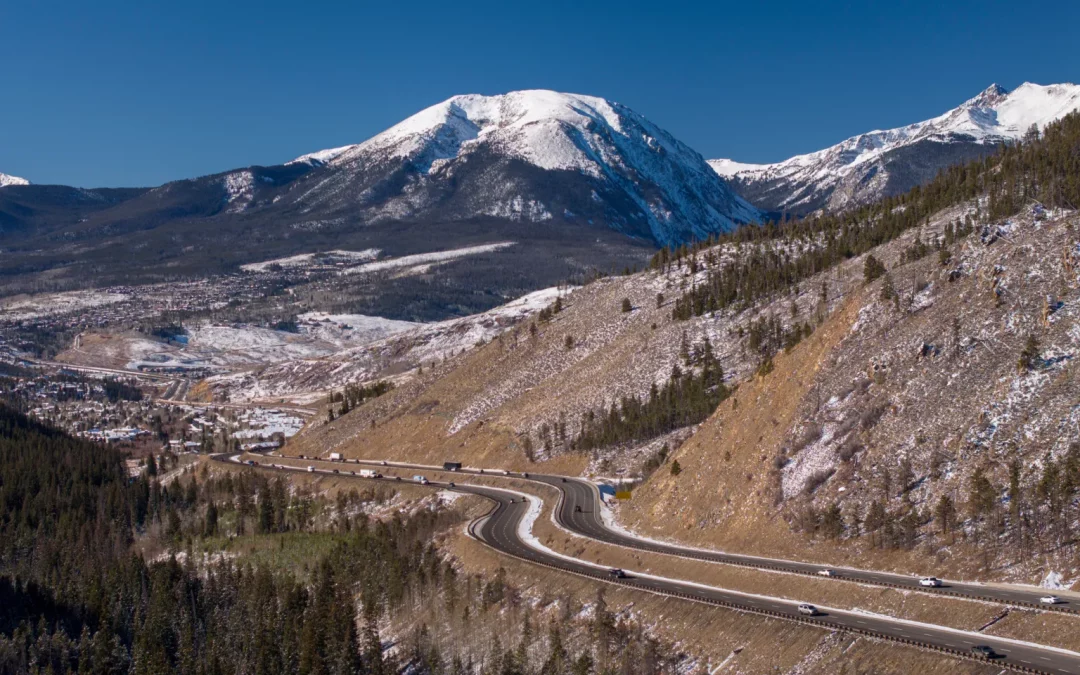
1049	599
808	609
311	469
826	573
930	582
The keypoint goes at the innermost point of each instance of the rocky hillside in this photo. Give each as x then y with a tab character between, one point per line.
867	167
890	388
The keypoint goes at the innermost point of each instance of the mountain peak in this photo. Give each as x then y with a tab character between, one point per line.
988	97
536	155
6	180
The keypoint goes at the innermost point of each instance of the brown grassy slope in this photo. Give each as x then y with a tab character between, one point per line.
723	493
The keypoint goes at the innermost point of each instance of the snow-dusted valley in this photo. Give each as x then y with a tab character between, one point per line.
879	394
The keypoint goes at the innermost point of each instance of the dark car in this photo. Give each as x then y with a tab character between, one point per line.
564	480
985	651
397	477
525	475
616	573
335	470
451	485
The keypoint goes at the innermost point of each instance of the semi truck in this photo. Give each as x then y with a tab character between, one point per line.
335	456
420	479
369	473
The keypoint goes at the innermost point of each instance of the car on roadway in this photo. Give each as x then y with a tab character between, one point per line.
352	473
985	651
451	484
335	471
525	475
808	609
616	573
930	582
564	480
310	469
383	462
826	573
1050	600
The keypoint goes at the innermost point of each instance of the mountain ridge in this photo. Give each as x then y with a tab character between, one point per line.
879	163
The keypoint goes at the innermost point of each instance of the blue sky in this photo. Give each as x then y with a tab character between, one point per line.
119	93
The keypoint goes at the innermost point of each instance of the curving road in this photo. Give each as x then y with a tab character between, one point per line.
579	494
501	528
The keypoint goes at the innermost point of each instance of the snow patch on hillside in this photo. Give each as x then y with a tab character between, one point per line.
311	259
427	258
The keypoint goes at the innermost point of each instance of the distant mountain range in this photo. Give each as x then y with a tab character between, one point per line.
590	182
866	167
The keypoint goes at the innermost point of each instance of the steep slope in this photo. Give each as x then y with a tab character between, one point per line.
869	166
532	156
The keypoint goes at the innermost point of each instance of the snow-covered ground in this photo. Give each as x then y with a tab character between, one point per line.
425	259
309	259
306	379
50	304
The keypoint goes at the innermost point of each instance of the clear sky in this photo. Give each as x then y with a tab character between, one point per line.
138	93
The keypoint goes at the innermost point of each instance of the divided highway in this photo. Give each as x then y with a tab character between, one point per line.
579	511
502	527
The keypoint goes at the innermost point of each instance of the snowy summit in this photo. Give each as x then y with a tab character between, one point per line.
535	156
6	180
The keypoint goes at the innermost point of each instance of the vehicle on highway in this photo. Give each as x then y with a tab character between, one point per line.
335	456
930	582
397	477
1049	599
301	457
335	471
564	480
420	479
505	472
383	462
311	469
577	508
525	475
985	651
808	609
250	462
826	573
616	573
352	473
451	484
369	473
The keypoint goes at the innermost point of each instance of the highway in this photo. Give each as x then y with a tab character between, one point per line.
587	522
501	529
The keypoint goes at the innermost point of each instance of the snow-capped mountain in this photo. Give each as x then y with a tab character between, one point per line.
529	156
6	180
880	163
